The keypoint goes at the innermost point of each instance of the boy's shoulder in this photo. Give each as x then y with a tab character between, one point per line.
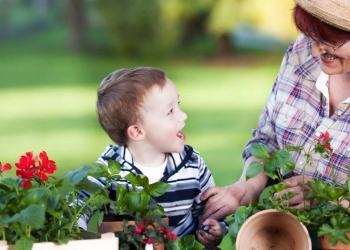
190	153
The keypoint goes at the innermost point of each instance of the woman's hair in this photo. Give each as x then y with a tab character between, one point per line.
317	29
120	97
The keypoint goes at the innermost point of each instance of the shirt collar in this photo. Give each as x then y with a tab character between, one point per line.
306	65
321	84
310	69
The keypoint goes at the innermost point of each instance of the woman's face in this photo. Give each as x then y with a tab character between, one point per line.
333	62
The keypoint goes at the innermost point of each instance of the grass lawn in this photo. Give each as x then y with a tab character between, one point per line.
47	102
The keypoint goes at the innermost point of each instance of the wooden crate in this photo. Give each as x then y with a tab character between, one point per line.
108	241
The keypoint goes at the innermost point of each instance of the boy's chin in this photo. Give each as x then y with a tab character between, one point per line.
178	149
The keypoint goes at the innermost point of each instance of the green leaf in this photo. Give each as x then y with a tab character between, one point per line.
132	201
285	160
97	200
189	241
10	183
145	199
76	175
98	170
254	169
35	195
33	216
88	185
132	179
114	167
24	244
158	188
290	148
279	187
270	168
259	151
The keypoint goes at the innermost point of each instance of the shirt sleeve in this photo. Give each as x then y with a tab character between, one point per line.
206	181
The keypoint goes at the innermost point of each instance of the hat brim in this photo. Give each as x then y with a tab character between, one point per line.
333	12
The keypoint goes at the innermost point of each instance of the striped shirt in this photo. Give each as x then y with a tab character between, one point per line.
188	176
298	113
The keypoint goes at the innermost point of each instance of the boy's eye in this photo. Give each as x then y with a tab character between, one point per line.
171	111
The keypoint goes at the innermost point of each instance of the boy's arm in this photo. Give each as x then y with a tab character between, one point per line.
206	181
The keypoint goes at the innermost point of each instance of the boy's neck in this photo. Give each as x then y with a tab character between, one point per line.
146	157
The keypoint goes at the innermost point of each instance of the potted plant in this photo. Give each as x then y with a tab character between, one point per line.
138	219
328	215
33	210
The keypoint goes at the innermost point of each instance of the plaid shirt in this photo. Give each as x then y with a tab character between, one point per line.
297	113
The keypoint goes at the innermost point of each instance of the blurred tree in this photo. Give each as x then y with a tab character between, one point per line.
272	17
224	18
139	27
5	14
157	27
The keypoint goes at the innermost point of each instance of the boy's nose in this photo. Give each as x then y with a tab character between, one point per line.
184	116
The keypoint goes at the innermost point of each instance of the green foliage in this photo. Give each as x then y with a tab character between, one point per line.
35	214
281	160
40	213
139	28
328	213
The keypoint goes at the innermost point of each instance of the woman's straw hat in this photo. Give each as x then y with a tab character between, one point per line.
333	12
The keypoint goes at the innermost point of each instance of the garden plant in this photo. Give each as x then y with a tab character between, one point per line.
328	212
32	208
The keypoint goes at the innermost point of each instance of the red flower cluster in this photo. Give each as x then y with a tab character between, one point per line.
139	229
32	168
167	234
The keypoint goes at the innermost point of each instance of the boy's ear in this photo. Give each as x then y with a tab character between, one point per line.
135	133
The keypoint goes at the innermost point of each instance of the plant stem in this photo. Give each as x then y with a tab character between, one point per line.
3	233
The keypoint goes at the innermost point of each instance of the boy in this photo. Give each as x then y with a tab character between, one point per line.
139	110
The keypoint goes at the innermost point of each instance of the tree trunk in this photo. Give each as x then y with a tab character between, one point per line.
224	45
76	24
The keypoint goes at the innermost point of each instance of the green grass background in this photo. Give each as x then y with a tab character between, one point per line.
48	94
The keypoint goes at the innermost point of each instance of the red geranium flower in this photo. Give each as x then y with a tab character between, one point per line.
6	167
324	140
31	168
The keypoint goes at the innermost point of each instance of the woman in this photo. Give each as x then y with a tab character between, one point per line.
311	96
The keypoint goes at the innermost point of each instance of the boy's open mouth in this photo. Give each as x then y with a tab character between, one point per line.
181	135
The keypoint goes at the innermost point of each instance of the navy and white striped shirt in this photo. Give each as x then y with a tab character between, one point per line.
188	176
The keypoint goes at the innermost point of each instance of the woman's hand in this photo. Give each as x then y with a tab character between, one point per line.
222	201
296	186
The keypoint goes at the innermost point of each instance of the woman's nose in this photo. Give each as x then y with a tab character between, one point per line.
317	49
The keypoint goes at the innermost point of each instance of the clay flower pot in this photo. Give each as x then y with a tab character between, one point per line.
323	243
273	229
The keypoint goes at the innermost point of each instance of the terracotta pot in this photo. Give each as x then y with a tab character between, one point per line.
107	242
323	243
273	229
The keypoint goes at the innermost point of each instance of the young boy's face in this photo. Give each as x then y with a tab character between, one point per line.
163	120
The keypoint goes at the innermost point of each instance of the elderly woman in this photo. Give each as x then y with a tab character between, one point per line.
310	96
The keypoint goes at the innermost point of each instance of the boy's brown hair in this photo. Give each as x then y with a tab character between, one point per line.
120	97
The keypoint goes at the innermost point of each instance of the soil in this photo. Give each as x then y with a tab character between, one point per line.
273	239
